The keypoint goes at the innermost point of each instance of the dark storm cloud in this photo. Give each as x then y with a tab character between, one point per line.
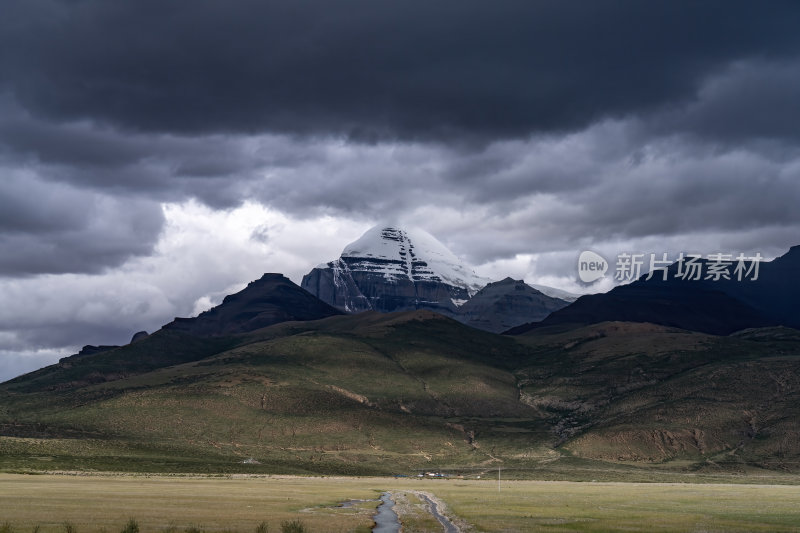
52	228
85	154
372	70
747	101
506	129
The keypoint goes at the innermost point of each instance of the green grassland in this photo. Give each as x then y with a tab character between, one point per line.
170	503
161	503
376	394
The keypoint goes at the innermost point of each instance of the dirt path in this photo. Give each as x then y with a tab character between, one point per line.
433	506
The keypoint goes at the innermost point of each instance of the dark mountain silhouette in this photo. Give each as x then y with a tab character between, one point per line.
272	299
718	307
267	301
505	304
690	308
776	292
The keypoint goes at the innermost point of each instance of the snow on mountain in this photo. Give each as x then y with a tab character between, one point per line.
412	254
396	269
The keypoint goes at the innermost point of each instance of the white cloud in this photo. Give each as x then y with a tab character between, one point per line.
202	255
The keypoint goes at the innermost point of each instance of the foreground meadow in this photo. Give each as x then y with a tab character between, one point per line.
165	503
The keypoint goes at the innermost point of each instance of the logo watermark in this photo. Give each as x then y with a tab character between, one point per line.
591	266
691	267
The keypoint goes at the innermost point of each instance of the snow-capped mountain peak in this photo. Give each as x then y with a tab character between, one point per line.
412	254
390	268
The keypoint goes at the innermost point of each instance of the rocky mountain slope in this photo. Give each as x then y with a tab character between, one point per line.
507	303
394	269
382	393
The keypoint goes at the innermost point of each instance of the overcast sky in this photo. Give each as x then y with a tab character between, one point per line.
156	155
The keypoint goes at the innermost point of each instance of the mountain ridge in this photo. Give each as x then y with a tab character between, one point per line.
506	303
719	307
393	269
379	393
276	375
269	300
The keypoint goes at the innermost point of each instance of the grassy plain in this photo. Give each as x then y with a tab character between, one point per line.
158	503
97	503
